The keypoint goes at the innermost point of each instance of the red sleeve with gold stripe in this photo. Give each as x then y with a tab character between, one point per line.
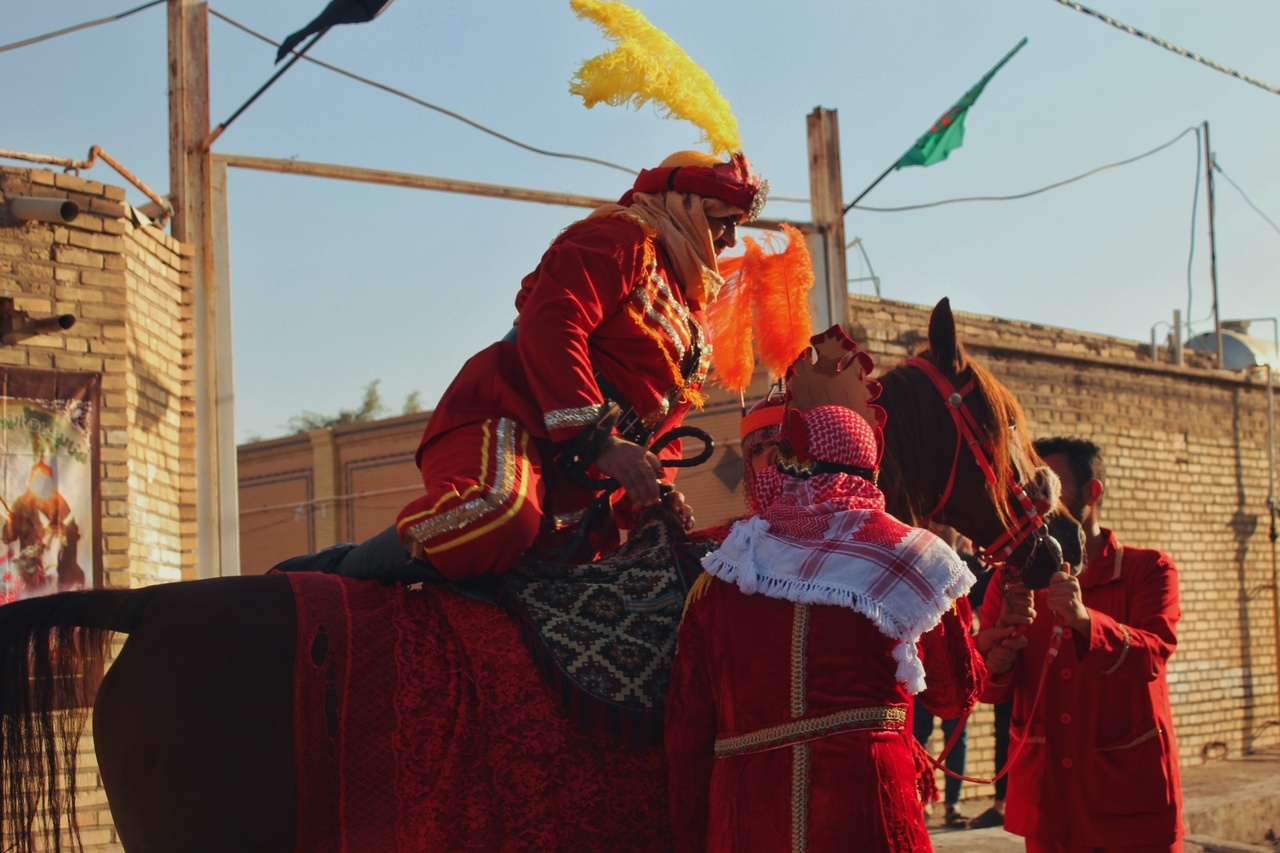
583	279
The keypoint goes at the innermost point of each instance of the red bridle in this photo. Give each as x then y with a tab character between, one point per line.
968	432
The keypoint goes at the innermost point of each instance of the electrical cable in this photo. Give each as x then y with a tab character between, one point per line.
84	26
427	104
1173	47
1246	198
450	113
1031	192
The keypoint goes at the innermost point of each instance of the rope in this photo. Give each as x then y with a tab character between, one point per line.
1055	645
1134	31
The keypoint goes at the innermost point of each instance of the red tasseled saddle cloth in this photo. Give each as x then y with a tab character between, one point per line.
421	723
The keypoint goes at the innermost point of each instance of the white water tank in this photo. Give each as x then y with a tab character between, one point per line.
1240	350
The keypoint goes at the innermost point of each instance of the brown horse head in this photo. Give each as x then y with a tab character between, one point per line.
932	472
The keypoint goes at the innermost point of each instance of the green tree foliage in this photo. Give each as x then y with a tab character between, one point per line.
370	409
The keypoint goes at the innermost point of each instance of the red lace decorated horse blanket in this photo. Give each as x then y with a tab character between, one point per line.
422	724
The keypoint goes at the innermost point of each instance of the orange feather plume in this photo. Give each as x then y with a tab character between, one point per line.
782	304
729	319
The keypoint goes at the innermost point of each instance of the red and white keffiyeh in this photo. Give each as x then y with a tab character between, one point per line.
827	540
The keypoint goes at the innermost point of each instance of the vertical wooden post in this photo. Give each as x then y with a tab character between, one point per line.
827	206
194	222
220	394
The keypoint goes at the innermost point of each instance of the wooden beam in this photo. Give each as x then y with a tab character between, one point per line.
827	206
448	185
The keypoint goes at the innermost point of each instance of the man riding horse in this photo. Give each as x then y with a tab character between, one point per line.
607	352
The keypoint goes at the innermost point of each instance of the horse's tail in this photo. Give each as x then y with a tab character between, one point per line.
48	646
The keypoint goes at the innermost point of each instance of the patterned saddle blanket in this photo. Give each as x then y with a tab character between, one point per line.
603	634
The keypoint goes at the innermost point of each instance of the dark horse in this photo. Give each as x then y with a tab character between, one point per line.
193	721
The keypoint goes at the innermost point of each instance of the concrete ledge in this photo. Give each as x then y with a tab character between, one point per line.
1217	845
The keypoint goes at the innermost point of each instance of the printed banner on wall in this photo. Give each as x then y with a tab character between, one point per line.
49	490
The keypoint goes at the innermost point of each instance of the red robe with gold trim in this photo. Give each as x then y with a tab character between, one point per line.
604	300
1100	765
747	663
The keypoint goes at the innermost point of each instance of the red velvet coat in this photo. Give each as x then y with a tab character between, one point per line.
604	299
1100	766
748	662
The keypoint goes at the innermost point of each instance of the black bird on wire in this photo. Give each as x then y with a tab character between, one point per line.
337	12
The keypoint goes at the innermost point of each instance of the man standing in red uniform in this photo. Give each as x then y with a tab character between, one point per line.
1099	768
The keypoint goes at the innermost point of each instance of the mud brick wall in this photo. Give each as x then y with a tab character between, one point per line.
129	286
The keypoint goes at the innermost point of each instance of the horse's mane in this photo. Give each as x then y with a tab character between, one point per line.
918	420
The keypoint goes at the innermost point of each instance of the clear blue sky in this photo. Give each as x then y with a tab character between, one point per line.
337	284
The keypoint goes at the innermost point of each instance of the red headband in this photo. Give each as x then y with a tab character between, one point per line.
735	183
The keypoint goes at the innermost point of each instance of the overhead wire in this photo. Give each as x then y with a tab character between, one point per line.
1217	168
442	110
1216	66
1030	193
86	25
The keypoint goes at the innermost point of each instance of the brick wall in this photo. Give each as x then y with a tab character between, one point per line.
1187	473
129	286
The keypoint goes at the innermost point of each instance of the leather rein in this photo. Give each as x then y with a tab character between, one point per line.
1029	522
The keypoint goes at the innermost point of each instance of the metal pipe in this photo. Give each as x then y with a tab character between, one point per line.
1272	508
29	209
76	165
1177	337
1213	252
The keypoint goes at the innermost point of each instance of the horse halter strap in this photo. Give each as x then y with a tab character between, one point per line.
967	432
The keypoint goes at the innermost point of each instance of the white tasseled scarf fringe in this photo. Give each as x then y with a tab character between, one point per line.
863	577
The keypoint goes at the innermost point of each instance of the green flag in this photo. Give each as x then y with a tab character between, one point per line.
947	133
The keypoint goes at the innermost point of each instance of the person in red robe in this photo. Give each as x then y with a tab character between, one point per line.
799	652
610	316
608	352
1099	767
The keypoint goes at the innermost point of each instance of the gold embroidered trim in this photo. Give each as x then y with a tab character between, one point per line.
656	311
579	417
699	589
498	492
799	798
1142	738
771	737
1119	564
1124	652
799	672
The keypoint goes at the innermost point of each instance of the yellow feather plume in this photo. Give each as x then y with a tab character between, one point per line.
647	65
